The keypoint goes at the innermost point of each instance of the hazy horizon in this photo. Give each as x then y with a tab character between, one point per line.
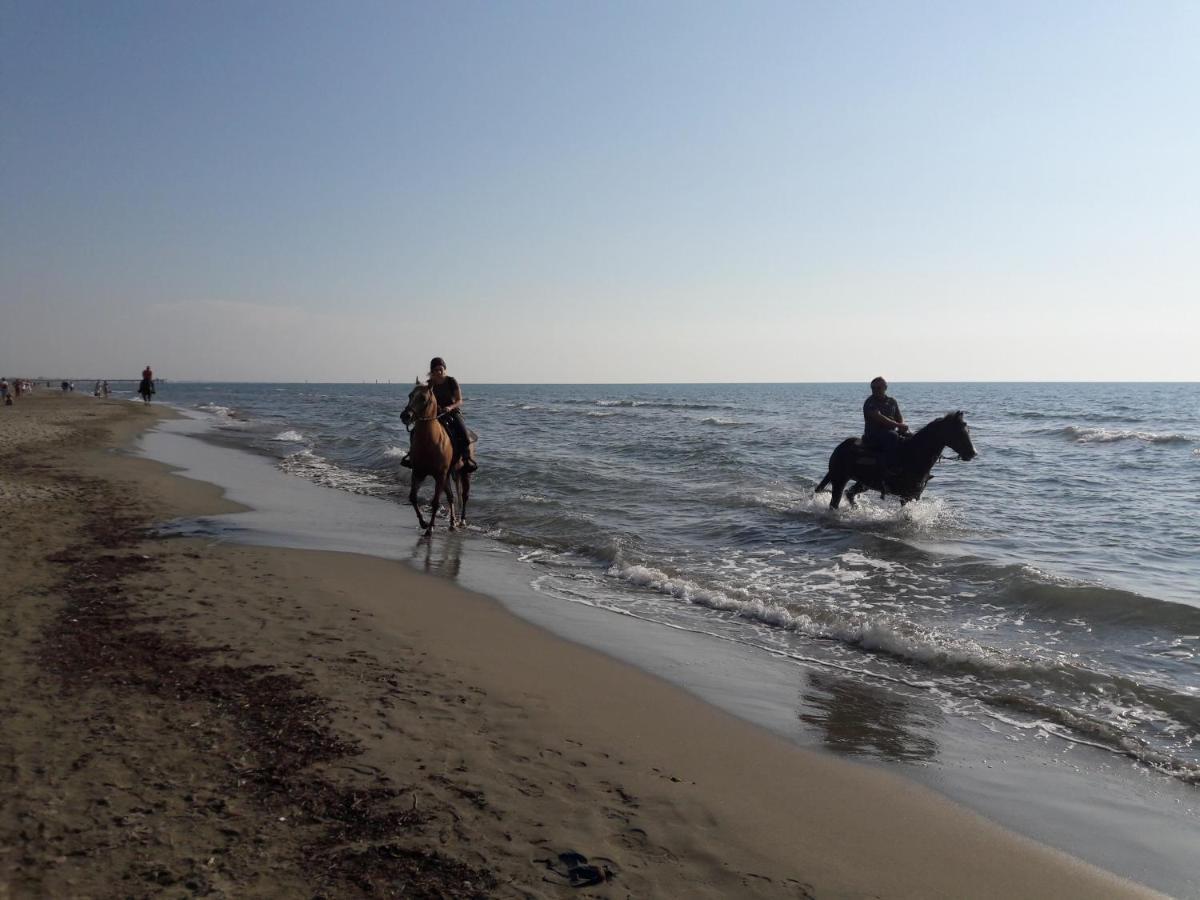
610	193
394	381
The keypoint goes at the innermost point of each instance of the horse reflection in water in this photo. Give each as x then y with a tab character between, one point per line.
433	455
447	563
862	719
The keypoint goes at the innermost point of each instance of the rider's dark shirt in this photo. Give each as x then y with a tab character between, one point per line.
446	391
886	405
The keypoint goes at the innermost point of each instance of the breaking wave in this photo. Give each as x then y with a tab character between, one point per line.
1108	436
651	404
309	465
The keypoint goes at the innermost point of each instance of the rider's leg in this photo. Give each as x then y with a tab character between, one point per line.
889	446
462	441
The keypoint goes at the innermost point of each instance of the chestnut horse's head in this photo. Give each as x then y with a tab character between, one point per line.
421	404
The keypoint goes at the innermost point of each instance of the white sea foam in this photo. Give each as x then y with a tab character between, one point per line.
291	436
881	633
1107	436
216	409
931	514
394	452
316	468
723	423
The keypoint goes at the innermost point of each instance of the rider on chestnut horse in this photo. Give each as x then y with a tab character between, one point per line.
449	400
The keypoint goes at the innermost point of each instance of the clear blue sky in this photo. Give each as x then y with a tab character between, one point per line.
605	191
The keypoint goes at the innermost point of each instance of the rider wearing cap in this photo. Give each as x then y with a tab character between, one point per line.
883	423
449	400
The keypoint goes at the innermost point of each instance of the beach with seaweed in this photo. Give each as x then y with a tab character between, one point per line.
191	718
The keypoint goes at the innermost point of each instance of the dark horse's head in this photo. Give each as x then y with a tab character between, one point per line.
954	432
420	399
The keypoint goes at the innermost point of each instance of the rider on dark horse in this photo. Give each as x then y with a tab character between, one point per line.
146	386
883	424
449	399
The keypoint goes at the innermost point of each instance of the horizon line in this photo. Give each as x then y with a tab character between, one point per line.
637	383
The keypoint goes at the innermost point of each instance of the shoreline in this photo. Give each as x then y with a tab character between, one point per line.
516	731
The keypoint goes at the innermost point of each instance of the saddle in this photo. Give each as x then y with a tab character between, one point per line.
866	456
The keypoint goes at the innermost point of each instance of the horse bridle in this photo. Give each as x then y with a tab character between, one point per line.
417	418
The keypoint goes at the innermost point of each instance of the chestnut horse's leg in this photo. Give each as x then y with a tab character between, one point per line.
439	485
464	494
450	495
415	483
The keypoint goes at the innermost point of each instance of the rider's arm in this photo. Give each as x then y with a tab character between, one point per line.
880	419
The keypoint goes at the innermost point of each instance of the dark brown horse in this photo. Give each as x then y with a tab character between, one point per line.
915	459
433	455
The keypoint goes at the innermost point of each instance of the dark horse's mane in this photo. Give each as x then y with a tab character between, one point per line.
940	420
930	431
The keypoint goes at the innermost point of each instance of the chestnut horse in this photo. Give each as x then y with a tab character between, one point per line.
914	461
433	455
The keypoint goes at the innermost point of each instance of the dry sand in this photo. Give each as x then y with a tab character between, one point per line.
191	719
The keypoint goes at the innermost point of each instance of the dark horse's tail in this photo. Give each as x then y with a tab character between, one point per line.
824	483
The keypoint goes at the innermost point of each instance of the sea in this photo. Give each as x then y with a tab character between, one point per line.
1045	594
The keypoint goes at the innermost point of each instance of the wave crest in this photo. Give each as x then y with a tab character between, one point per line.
1081	435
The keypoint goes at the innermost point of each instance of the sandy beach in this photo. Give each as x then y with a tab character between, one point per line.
190	718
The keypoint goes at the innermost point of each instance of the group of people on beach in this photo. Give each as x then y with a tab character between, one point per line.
12	391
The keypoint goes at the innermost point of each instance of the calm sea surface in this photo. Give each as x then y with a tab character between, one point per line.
1049	589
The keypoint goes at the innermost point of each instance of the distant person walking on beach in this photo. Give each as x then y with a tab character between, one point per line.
449	399
4	394
146	387
883	424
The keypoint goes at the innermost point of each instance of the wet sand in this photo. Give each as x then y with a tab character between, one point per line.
185	718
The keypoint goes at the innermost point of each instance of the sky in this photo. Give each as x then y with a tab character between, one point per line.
601	192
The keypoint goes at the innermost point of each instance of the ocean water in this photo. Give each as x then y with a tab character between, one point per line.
1048	590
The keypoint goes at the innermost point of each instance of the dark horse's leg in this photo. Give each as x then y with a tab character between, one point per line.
854	491
839	485
840	468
